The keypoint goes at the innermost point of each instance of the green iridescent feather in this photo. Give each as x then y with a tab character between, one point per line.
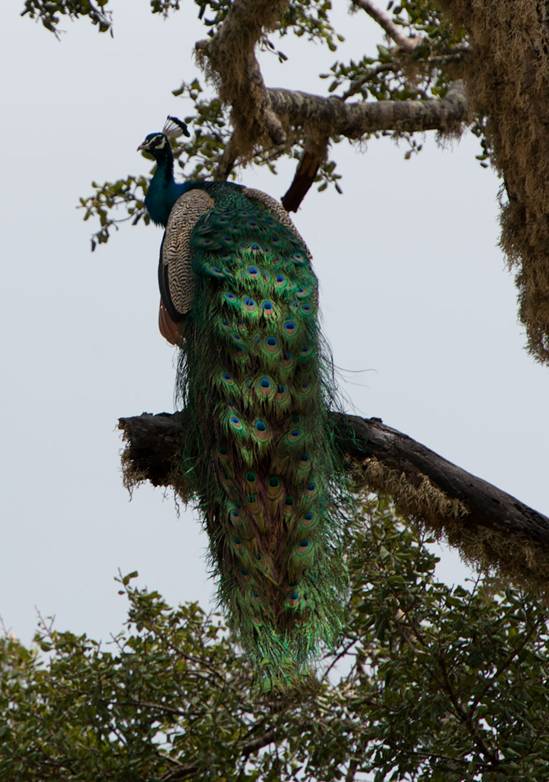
260	453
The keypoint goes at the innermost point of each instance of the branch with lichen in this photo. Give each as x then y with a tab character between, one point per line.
266	118
487	525
334	117
228	57
507	79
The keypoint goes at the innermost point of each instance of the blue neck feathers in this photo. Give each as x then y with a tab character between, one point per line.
163	190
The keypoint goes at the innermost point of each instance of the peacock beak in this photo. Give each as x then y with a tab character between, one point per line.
142	146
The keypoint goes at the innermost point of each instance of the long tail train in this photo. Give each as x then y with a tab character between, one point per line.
260	455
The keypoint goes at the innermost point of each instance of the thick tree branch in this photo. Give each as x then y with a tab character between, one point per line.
276	118
333	117
485	503
488	525
391	29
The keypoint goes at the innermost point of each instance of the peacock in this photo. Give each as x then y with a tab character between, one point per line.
240	300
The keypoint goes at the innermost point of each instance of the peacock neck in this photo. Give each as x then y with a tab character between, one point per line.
164	168
162	191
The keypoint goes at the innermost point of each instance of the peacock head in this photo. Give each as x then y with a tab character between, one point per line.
158	144
155	144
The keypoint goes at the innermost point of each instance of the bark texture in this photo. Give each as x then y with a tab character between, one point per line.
334	117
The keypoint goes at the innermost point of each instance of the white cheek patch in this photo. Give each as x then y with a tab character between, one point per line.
160	144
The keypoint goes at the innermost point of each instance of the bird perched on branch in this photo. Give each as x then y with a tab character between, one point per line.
239	297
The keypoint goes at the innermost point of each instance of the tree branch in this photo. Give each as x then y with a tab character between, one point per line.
263	116
477	735
502	667
307	169
333	117
486	504
454	55
487	525
391	29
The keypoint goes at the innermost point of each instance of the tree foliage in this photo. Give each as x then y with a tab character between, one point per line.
428	682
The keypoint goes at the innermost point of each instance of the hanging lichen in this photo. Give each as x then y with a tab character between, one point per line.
507	80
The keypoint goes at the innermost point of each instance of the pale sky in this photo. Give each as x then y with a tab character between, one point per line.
414	291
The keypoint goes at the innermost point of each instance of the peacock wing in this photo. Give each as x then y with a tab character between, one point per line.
277	210
175	275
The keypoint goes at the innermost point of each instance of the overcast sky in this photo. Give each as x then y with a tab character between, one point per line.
414	291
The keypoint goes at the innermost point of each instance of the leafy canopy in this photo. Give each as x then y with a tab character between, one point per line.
428	683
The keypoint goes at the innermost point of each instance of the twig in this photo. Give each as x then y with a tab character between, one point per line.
500	669
392	30
455	55
342	653
464	717
246	749
351	771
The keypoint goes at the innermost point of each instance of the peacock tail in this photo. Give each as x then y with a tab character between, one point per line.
259	453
